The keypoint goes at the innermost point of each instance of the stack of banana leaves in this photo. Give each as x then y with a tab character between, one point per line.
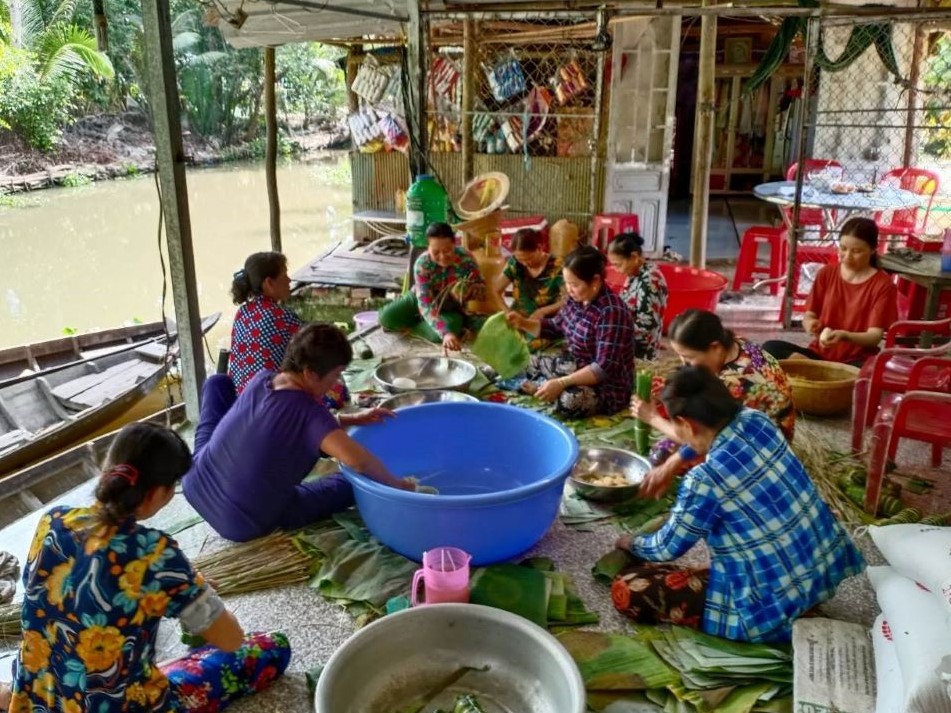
681	670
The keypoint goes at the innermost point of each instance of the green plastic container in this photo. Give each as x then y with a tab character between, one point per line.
426	203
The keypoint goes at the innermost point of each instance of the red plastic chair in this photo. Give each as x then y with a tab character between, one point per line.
810	217
906	222
890	371
606	226
922	415
748	268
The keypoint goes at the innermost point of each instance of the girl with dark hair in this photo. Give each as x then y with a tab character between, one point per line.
851	305
776	550
253	451
535	276
96	585
596	373
263	327
644	292
751	376
445	277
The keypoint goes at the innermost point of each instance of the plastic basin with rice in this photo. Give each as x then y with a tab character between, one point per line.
596	466
690	288
821	388
388	665
500	471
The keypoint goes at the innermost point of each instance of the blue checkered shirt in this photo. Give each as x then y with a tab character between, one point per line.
776	549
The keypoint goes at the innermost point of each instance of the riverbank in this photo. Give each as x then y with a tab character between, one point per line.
110	146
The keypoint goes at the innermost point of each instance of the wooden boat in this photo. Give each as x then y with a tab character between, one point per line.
54	408
22	362
35	486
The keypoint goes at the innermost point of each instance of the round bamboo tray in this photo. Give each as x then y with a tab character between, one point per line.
820	388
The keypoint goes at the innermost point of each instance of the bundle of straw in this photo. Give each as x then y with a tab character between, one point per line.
10	620
264	563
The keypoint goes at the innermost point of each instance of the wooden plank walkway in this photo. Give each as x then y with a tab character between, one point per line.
348	265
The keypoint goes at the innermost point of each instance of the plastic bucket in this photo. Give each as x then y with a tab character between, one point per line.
690	288
362	320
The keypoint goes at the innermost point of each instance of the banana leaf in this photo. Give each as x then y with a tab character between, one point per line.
502	347
520	590
612	662
610	565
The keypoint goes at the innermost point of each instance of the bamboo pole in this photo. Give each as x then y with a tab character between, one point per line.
914	74
703	142
470	63
417	56
270	151
599	128
354	57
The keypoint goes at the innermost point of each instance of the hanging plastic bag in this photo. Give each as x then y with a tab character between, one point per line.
394	133
502	347
371	80
568	81
506	79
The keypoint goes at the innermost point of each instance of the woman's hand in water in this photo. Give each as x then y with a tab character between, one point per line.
646	411
406	484
366	417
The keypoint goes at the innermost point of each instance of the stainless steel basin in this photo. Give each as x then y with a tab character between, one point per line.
414	398
609	460
424	373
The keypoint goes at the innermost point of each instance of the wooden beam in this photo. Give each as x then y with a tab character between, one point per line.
170	157
914	74
470	64
270	150
600	126
417	59
703	141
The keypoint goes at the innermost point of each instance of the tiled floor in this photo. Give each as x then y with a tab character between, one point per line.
729	217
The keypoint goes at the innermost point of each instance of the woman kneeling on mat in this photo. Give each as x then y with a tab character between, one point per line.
776	550
253	452
96	585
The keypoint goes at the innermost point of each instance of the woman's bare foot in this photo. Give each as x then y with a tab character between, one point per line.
6	695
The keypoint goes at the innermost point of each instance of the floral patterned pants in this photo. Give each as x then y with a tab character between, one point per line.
661	593
209	679
575	401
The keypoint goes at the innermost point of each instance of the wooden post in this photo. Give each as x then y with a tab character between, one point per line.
354	57
270	151
703	141
599	128
417	48
914	75
170	157
812	49
470	62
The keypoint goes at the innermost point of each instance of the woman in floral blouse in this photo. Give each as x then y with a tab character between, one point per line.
97	584
445	277
644	292
754	378
535	276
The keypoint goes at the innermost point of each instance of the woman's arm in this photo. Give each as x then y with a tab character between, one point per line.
526	324
869	338
553	388
548	310
810	324
337	444
224	633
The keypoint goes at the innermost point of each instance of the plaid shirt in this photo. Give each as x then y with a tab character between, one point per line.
600	335
260	334
776	550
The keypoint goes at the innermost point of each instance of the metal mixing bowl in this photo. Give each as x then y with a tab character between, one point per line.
387	664
414	398
426	372
609	460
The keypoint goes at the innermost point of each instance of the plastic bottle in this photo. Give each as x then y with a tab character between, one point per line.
946	251
426	203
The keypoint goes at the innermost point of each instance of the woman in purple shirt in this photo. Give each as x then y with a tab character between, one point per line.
253	452
596	374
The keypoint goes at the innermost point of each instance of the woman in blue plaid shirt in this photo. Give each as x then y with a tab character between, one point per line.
776	550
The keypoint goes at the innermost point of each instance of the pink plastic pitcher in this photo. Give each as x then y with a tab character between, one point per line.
445	575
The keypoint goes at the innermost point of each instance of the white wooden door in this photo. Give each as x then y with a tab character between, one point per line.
641	133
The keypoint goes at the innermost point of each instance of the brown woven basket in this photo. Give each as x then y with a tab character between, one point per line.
820	388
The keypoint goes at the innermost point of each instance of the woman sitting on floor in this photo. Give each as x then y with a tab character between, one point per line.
535	277
96	585
851	305
776	550
253	452
752	376
644	292
445	277
263	327
596	374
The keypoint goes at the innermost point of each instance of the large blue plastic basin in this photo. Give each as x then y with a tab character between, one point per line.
500	471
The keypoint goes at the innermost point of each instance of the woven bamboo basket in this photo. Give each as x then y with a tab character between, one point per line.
820	388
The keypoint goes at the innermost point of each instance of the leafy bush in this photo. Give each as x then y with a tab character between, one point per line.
34	107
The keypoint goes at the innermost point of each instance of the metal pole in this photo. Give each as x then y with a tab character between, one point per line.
812	49
703	143
170	157
914	74
270	151
470	63
599	126
417	56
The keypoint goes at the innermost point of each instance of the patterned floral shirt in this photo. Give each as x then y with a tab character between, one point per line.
757	380
94	596
599	335
776	550
433	280
259	337
532	293
645	293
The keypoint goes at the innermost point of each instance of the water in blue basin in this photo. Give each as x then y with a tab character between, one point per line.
470	481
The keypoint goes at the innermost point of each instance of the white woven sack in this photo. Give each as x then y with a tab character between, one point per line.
889	686
922	639
921	553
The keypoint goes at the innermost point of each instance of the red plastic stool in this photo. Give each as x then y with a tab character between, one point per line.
748	268
509	226
606	226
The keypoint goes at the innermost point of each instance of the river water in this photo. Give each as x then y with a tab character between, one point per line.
87	258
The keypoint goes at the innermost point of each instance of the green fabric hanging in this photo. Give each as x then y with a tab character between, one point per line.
502	347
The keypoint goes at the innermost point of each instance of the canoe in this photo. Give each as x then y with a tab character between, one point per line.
35	486
54	408
18	363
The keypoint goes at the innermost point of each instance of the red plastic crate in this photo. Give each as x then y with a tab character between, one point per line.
509	226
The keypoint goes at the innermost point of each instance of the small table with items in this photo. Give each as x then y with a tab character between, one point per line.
924	271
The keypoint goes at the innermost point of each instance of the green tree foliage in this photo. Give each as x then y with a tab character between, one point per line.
311	82
937	103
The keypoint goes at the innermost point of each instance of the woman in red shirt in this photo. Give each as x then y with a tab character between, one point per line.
851	304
